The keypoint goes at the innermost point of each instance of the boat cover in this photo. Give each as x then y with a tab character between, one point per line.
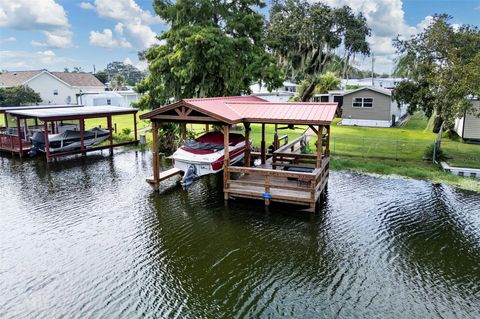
210	143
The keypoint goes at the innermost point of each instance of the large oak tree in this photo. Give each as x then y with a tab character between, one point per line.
305	38
212	48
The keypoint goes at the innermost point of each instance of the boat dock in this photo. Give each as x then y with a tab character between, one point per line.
50	119
285	175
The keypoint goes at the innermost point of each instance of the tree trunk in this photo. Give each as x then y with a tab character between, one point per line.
308	93
437	123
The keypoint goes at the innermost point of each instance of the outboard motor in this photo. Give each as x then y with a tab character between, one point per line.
189	176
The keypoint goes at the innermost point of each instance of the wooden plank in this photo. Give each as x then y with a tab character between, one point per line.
271	172
276	194
165	175
240	183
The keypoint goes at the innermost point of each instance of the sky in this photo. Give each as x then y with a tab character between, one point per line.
58	34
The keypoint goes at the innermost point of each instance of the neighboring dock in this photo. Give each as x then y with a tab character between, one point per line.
50	118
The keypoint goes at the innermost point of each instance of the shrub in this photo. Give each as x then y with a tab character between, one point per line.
126	131
439	154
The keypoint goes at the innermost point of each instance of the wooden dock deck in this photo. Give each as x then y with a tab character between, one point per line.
269	184
11	144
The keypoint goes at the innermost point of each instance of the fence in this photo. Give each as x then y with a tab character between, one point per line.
455	152
379	148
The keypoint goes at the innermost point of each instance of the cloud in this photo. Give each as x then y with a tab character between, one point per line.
132	20
8	39
24	60
141	65
45	16
105	39
387	20
122	10
86	6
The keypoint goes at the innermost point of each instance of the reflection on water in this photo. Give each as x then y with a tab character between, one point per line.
88	238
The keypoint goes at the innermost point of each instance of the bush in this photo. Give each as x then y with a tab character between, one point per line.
126	131
440	156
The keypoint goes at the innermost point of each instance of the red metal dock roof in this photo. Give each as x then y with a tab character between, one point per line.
250	109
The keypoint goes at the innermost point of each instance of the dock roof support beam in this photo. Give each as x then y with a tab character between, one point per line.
135	126
319	146
226	159
110	134
262	146
19	133
247	144
156	159
47	140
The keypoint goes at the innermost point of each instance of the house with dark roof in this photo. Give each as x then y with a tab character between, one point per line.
54	87
371	106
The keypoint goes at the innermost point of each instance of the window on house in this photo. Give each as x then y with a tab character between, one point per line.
362	102
55	92
358	102
109	102
367	102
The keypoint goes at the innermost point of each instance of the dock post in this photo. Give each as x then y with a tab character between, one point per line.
275	138
135	126
319	146
156	162
110	133
82	135
327	145
262	146
47	140
247	144
19	133
226	159
184	131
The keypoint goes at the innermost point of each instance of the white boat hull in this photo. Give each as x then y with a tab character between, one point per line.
207	163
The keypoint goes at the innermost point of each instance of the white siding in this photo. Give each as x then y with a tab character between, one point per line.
472	124
45	85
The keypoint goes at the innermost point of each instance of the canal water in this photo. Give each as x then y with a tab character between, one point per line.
88	238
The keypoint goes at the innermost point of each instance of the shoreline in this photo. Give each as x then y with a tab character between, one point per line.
414	170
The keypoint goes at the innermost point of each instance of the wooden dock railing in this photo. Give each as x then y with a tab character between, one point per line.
278	185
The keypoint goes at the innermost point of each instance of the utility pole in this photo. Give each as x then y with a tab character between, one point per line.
373	73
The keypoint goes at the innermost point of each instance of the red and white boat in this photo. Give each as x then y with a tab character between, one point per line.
204	155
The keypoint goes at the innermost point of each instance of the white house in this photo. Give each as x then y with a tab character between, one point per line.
116	98
468	126
54	87
371	106
386	83
282	94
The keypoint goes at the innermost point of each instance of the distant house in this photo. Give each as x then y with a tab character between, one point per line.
385	83
331	96
468	126
371	106
282	94
53	87
115	98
